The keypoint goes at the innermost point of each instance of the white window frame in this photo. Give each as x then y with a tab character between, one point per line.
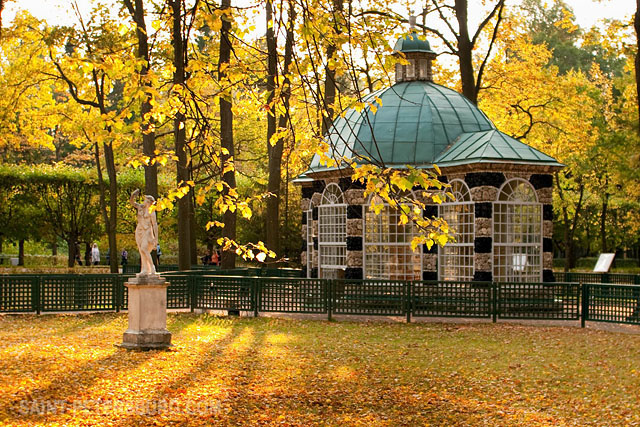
388	247
456	259
332	232
410	70
517	251
422	68
309	241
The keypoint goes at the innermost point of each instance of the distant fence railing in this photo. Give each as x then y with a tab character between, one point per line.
610	278
214	269
199	290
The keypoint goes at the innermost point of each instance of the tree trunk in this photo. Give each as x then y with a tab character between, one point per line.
54	247
106	217
226	139
570	225
636	24
566	241
275	151
465	52
193	243
2	2
272	223
110	164
603	223
330	74
182	175
87	254
148	137
71	258
21	252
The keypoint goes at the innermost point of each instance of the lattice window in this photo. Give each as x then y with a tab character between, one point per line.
332	232
309	242
387	247
517	234
456	258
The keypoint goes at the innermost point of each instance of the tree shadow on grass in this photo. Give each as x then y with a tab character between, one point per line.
224	354
72	384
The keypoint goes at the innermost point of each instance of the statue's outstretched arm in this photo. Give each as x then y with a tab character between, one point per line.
133	198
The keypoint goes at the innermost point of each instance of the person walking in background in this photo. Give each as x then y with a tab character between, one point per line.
124	258
206	259
215	259
95	254
158	252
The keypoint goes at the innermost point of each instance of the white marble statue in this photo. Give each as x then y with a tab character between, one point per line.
146	232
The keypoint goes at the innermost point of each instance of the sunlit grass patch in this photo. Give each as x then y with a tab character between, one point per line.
65	369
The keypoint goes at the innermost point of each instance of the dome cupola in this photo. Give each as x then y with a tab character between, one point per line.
419	55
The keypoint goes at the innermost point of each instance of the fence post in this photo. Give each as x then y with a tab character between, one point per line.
408	303
495	290
256	295
115	300
328	284
604	278
192	281
35	294
585	303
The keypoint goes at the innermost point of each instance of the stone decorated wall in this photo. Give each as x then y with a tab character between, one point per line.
543	184
354	198
484	185
355	233
430	255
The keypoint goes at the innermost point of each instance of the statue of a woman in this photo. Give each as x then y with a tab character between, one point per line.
146	232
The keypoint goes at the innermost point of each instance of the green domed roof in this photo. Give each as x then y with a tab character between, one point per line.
412	43
416	122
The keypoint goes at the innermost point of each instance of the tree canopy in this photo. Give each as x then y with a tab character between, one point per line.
220	105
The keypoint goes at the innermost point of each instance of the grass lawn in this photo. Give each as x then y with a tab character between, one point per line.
66	370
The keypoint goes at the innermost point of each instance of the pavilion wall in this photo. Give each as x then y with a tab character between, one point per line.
484	182
353	193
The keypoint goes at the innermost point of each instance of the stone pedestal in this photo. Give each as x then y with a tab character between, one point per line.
147	314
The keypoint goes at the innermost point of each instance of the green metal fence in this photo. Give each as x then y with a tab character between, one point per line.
556	301
611	303
225	293
289	295
453	299
18	293
370	297
200	290
612	278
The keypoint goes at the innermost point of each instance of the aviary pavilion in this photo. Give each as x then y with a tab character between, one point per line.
502	213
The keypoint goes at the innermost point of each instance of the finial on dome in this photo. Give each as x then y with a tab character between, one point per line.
412	21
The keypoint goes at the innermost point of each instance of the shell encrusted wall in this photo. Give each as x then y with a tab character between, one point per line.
484	186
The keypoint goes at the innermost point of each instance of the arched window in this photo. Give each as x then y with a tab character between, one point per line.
517	233
332	233
456	258
387	247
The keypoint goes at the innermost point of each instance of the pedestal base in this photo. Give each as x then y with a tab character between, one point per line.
147	314
146	340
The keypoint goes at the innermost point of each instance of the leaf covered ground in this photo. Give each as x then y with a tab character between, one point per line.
65	370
